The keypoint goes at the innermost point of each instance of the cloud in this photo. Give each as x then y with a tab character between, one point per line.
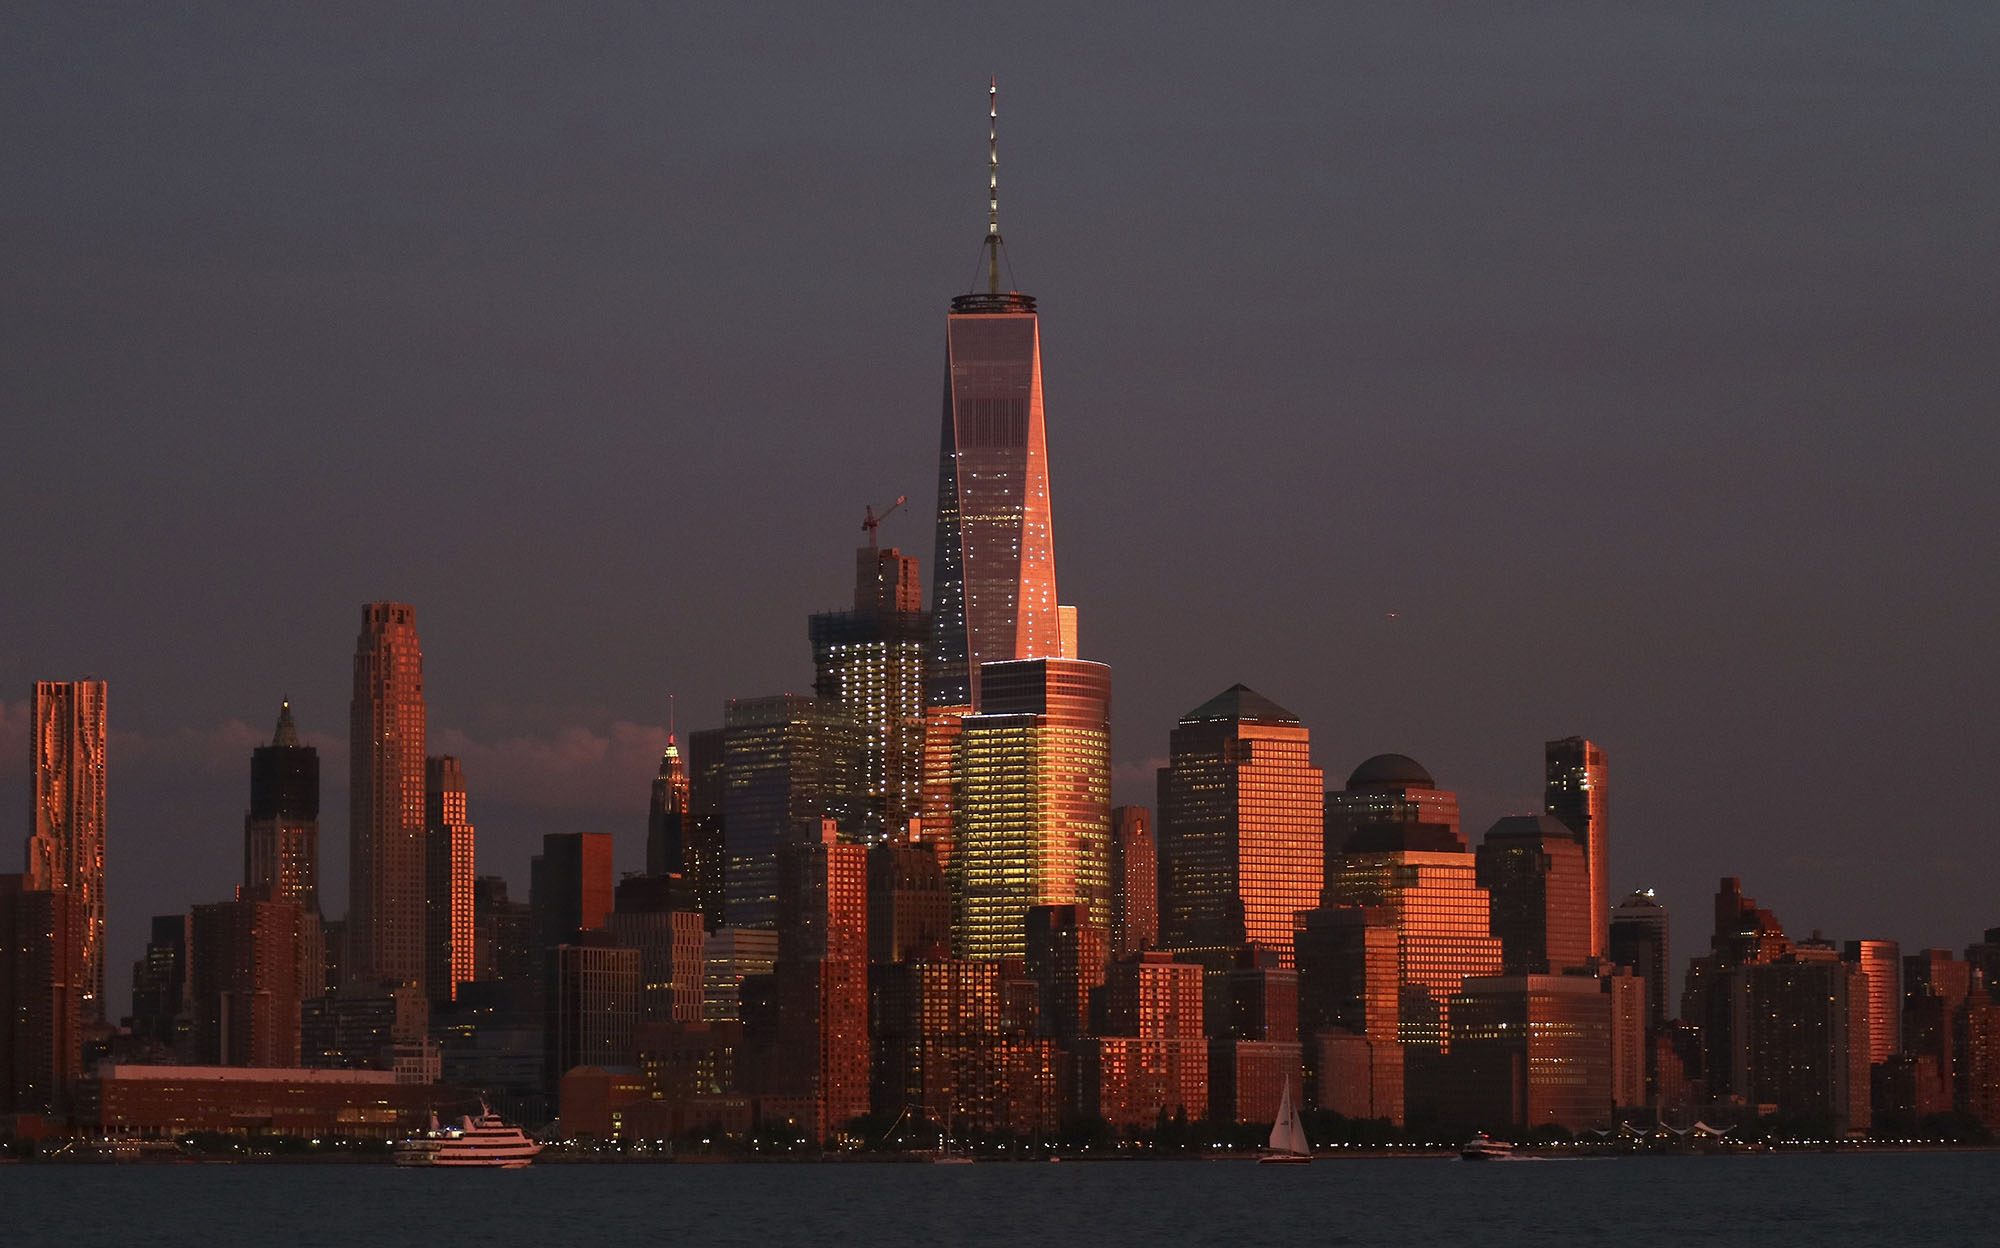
572	768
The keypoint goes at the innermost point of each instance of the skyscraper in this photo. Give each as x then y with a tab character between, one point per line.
385	846
789	763
870	660
1242	830
1135	882
1391	804
1639	940
41	994
245	983
994	593
1881	963
449	933
668	818
281	828
1575	793
66	831
1034	804
1533	870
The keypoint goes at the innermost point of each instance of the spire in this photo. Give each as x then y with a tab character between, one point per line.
287	735
993	185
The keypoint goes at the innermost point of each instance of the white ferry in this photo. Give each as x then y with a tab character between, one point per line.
485	1142
1482	1147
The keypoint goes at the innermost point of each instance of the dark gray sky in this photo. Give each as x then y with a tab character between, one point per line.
1457	380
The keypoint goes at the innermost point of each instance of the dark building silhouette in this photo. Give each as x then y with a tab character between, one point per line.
281	828
503	934
1534	871
1639	939
1391	804
656	916
1066	956
1349	969
44	972
668	817
162	1003
245	983
1744	935
947	1049
790	763
708	773
386	726
909	904
1575	793
571	886
1135	882
1526	1051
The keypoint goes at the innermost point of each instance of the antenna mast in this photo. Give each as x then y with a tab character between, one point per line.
993	185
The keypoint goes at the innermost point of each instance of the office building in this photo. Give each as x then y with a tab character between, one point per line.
245	985
1744	935
1533	870
66	723
947	1049
1135	882
385	847
451	936
1151	1056
1242	829
503	934
707	767
1881	964
571	886
1639	940
1391	805
1034	802
730	956
162	1000
1527	1051
1065	957
994	589
1349	1001
43	973
790	763
1574	792
1800	1039
870	660
909	904
593	1006
281	828
656	915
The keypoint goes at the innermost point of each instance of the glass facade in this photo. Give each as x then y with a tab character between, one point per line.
789	764
1442	919
1533	870
1575	793
1033	798
386	725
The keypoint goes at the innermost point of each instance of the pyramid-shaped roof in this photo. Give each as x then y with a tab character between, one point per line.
1241	703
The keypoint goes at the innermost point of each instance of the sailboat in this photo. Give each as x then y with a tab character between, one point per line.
1288	1136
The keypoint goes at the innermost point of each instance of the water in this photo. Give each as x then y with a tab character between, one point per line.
1809	1201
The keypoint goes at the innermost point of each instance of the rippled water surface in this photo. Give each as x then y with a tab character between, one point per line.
1773	1202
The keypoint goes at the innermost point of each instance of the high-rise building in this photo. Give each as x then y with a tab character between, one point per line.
994	592
281	828
450	936
571	886
1533	870
655	915
42	979
1152	1056
66	829
503	940
245	983
385	845
162	1003
1528	1051
1639	940
909	904
1034	802
708	775
1135	882
593	1006
1242	829
1881	963
945	1048
1349	962
1744	935
1442	914
1574	792
669	821
1800	1038
870	660
790	763
1391	804
1066	958
732	955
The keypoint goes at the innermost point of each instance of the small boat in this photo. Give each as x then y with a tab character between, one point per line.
485	1142
1483	1147
1288	1136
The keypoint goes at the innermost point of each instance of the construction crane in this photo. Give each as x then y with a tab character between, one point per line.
871	521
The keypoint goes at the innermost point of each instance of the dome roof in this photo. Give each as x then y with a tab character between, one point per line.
1391	771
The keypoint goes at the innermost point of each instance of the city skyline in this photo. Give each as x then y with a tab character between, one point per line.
546	742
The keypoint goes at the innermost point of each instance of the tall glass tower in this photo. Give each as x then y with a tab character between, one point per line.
994	597
385	809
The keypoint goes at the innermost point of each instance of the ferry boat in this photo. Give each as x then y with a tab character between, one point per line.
485	1142
1483	1147
1288	1136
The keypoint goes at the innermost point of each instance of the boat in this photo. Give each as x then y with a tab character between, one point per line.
1483	1147
485	1142
1288	1136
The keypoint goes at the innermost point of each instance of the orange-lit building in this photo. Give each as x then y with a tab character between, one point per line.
1349	1001
1390	805
448	875
165	1101
65	850
1034	802
1152	1055
1442	918
947	1048
1527	1051
1881	963
385	873
1135	882
1242	829
1575	792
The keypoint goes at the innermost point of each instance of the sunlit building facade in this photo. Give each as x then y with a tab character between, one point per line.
448	876
1881	963
1391	804
1575	792
870	660
1533	871
1241	835
1034	803
66	840
385	846
668	818
1135	882
1442	918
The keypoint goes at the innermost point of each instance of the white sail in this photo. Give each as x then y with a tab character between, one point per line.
1288	1134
